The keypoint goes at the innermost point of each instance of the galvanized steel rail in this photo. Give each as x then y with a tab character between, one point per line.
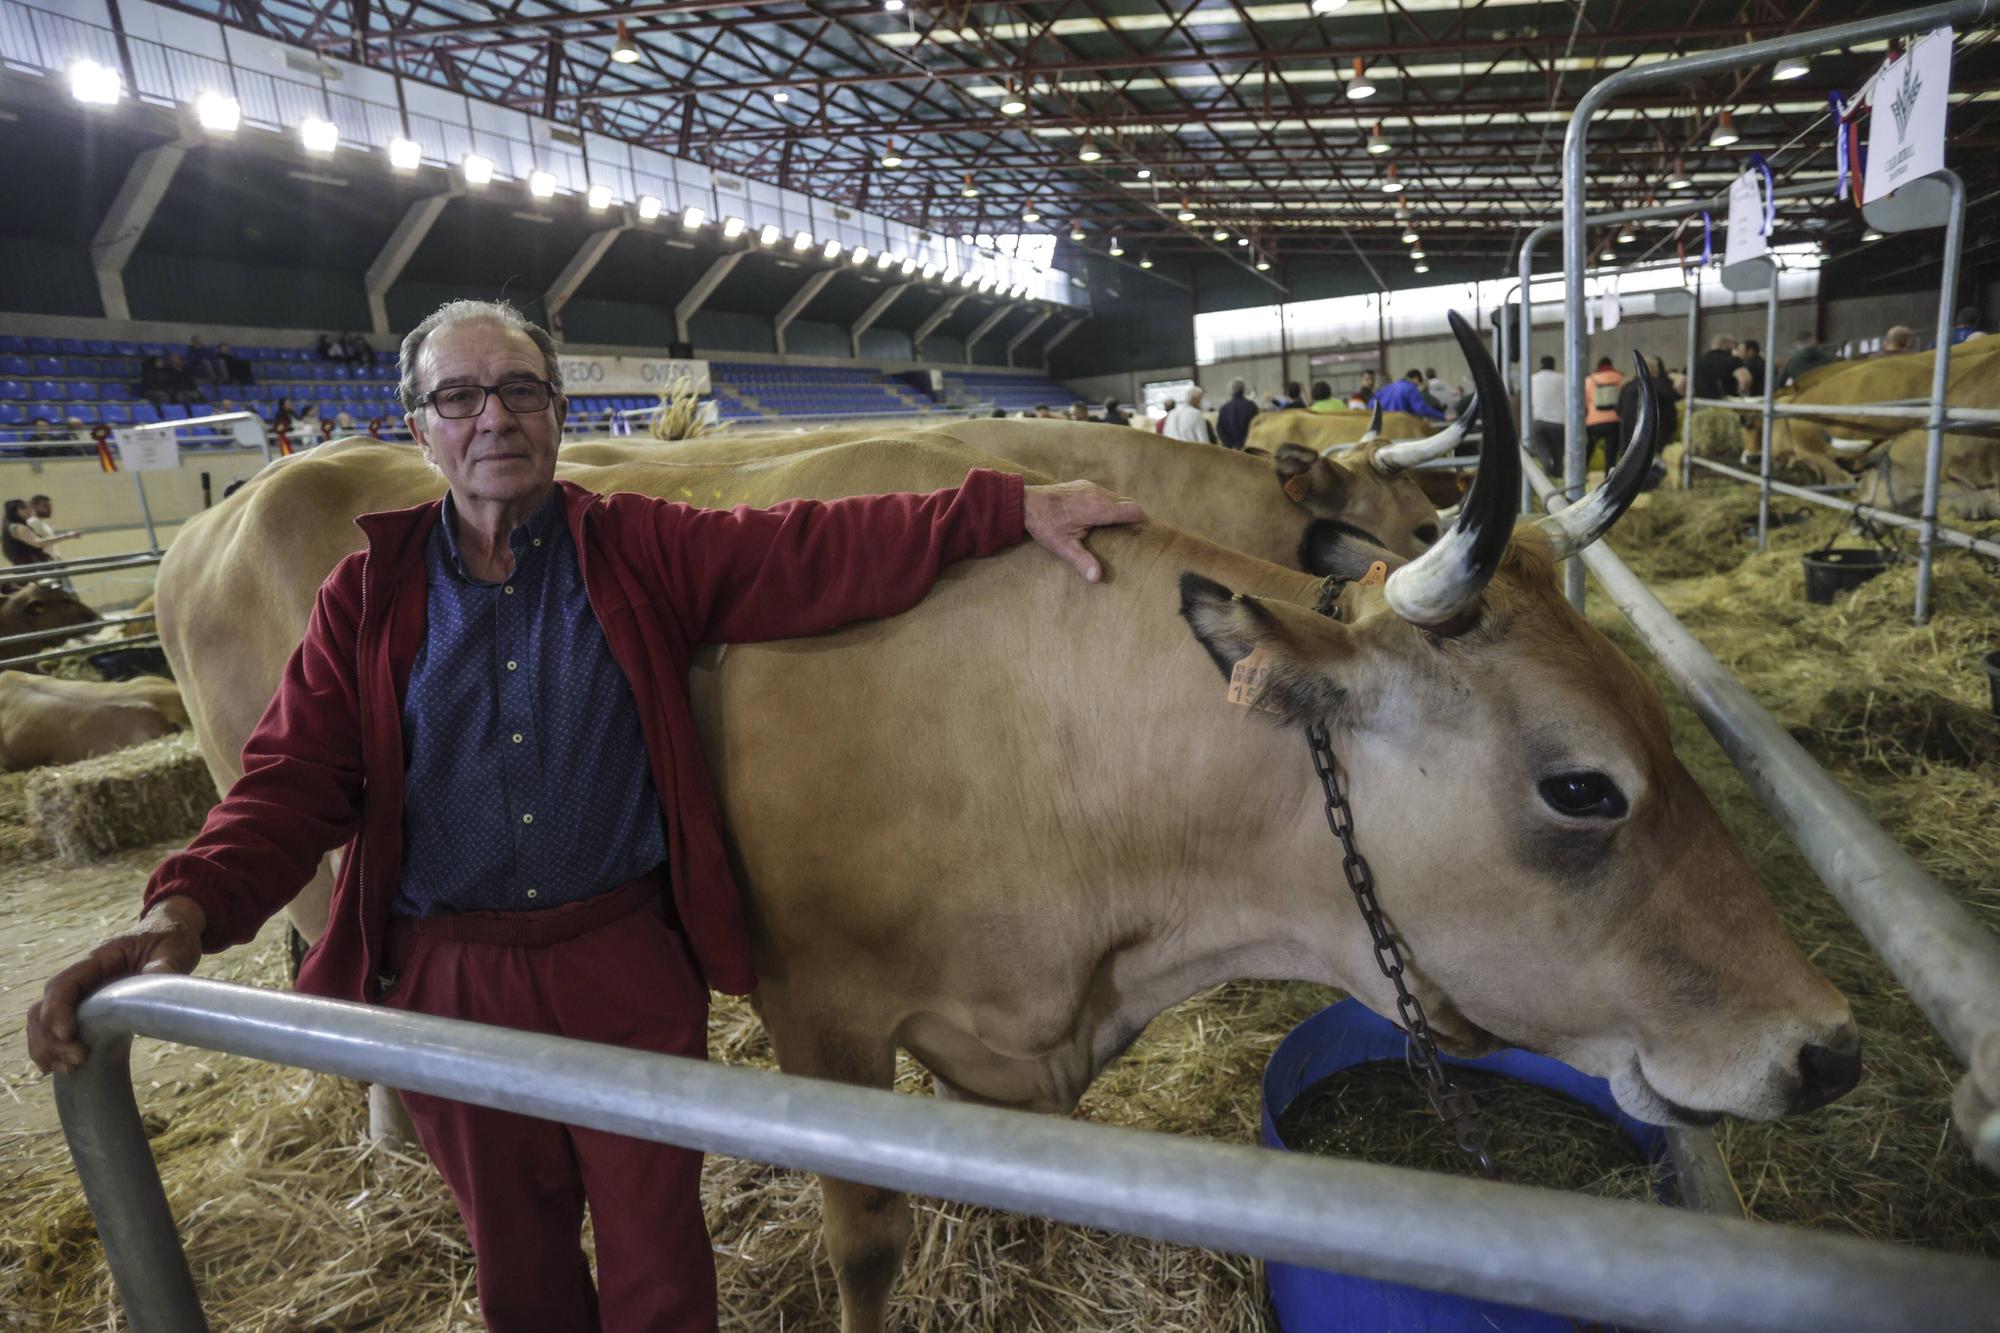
1631	1263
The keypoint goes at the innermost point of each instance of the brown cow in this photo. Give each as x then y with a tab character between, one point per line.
45	607
44	720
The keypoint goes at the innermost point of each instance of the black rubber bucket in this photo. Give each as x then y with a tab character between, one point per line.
1833	570
1992	664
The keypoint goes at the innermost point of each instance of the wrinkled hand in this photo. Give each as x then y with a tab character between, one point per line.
167	939
1058	517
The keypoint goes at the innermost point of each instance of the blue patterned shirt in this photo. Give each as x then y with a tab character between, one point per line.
527	784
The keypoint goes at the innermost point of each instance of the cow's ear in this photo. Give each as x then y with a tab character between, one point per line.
1284	664
34	607
1340	550
1308	477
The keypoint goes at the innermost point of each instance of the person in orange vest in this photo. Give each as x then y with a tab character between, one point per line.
1600	402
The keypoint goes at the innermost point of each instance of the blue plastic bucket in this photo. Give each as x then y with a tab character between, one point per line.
1309	1300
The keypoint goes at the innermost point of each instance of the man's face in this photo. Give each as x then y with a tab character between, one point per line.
496	455
42	506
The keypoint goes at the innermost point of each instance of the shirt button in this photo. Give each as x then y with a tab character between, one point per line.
531	893
512	665
527	819
509	590
517	738
538	541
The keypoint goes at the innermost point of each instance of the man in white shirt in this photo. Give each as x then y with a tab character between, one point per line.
1546	408
1186	422
38	520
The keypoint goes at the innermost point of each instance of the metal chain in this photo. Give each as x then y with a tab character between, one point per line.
1453	1105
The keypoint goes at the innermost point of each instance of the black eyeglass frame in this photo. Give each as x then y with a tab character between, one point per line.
486	391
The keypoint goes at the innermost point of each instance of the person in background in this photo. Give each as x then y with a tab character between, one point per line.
1461	404
235	370
1232	423
1753	363
202	362
21	543
1112	416
1079	411
40	510
354	349
1323	399
1966	326
1900	338
998	412
1547	405
1715	372
1807	356
343	424
1188	422
325	349
1366	393
1628	409
154	381
1166	410
181	386
285	417
1407	395
306	427
1601	388
1292	395
1435	386
1042	412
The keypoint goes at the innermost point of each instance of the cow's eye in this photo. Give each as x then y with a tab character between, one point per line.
1427	533
1585	795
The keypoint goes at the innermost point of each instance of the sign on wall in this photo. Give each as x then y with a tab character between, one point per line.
1746	238
587	375
147	450
1907	103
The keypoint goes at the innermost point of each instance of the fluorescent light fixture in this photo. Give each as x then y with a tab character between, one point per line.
1791	67
1116	248
1626	235
832	250
1359	87
405	154
598	196
858	255
1423	268
624	52
542	184
768	234
1145	173
883	260
802	241
1725	133
649	208
1326	6
1145	261
1088	153
95	85
1677	179
218	113
732	227
1029	214
478	168
1377	144
318	136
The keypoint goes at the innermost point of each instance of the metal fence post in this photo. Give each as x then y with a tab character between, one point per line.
1687	394
1770	391
1954	240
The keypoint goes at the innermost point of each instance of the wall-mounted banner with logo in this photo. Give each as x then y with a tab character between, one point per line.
1906	112
585	376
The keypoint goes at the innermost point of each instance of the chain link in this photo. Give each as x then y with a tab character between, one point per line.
1454	1106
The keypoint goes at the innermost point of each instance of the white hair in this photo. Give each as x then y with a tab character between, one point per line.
472	312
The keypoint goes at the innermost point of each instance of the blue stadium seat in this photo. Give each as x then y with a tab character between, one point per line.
42	346
83	391
45	412
124	348
154	349
11	415
84	412
114	414
16	366
10	389
48	365
98	347
12	344
145	412
71	347
49	390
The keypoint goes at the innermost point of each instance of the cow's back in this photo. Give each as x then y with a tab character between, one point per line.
1320	431
45	720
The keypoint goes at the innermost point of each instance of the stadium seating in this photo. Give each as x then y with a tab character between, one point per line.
1018	393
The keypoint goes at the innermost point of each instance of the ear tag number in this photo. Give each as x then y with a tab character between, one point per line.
1249	678
1297	487
1377	575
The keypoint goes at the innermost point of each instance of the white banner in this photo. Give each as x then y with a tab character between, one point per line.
147	450
1614	306
1746	219
587	376
1907	103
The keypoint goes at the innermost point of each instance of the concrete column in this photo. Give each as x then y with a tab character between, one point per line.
931	322
399	250
795	307
873	313
125	222
1026	329
987	325
1061	334
703	288
595	246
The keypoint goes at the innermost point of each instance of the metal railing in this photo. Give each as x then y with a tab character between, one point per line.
1881	517
1597	1259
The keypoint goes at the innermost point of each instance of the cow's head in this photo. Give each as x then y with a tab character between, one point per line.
1559	880
1366	490
42	605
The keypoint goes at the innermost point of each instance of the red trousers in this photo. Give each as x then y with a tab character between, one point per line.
611	970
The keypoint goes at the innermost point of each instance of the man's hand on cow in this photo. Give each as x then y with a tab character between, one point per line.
167	939
1058	516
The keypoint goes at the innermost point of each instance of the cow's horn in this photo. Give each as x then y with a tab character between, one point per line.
1405	454
1445	581
1374	431
1570	530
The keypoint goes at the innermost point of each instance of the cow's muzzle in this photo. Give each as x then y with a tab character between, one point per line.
1827	1073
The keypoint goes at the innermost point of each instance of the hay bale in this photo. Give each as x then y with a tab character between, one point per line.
1717	433
149	793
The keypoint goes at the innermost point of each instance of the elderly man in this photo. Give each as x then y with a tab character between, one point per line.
1188	422
452	677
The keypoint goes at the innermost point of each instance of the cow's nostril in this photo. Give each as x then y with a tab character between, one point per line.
1827	1073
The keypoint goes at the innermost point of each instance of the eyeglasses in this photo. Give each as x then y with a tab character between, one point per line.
469	400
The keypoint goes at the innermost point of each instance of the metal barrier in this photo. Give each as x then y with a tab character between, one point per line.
1883	517
1630	1263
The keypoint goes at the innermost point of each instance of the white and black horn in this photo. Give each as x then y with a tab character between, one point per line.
1444	582
1570	530
1403	455
1374	431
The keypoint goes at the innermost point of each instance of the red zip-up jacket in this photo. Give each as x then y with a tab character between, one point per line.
324	768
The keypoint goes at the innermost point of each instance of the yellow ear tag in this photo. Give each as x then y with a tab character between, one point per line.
1377	575
1297	487
1249	678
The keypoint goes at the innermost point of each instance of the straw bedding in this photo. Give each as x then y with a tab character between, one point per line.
292	1221
129	798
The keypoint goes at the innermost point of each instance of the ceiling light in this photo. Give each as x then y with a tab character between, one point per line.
1263	264
1871	235
95	85
968	279
1243	240
987	285
731	227
968	190
1220	234
1088	153
1377	145
892	158
1791	67
1029	214
1677	179
781	97
1358	87
884	259
858	255
1145	173
832	250
218	113
318	136
1725	133
930	272
649	208
1013	105
1390	185
1423	268
598	196
1117	250
1075	231
478	168
1409	234
1608	257
1417	252
802	242
541	184
1145	261
624	52
768	234
405	154
1626	235
892	6
1326	6
908	266
1186	214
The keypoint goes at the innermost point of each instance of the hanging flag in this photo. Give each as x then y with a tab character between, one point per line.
1707	239
1837	105
1758	164
1907	106
1614	305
